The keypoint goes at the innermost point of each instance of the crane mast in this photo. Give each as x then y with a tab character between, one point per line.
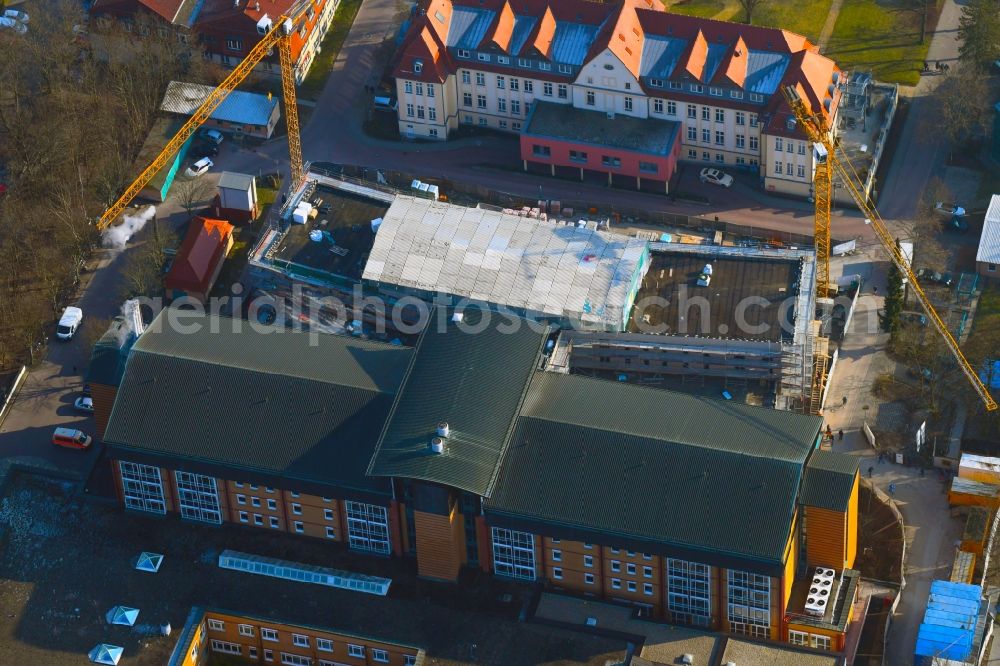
828	163
279	34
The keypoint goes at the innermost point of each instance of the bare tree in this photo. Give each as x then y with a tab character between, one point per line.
193	193
749	7
962	103
144	266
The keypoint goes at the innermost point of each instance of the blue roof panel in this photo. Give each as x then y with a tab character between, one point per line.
660	56
468	27
765	71
571	42
523	26
712	60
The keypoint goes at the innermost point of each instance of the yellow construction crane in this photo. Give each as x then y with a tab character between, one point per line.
279	34
828	162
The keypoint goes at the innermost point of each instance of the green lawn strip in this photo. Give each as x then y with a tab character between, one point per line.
870	36
803	17
701	8
343	19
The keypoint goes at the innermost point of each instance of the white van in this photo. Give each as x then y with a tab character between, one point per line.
68	323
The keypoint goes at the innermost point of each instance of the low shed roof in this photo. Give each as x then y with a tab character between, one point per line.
239	107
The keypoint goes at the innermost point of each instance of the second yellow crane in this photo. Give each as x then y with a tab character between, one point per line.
828	163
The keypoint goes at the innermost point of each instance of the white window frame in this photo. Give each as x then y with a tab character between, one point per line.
513	554
356	651
300	527
324	644
632	587
274	522
225	647
368	528
748	603
588	561
216	625
689	598
247	630
296	509
557	573
268	634
463	53
616	583
198	497
380	655
300	640
142	487
289	659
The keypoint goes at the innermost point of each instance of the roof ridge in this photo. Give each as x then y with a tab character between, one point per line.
632	433
262	371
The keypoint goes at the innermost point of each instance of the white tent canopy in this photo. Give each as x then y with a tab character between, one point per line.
123	615
106	654
149	562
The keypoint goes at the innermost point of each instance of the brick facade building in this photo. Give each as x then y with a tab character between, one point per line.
464	452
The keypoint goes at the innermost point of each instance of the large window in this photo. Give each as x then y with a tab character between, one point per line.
513	554
142	487
198	497
689	592
368	527
808	640
749	599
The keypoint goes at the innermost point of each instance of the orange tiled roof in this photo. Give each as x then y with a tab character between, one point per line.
202	250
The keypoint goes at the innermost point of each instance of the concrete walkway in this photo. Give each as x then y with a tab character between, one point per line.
921	150
828	26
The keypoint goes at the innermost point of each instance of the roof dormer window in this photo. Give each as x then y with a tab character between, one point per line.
418	66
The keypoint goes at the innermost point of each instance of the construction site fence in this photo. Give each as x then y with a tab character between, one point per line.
388	180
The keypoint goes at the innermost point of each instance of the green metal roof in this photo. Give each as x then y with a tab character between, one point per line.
829	480
472	379
684	471
291	404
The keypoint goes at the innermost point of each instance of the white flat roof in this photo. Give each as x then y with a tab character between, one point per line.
973	461
541	267
989	242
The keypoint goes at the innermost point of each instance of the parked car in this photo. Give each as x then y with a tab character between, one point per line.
70	321
199	167
71	438
958	224
214	136
15	15
715	177
16	26
85	404
948	209
206	148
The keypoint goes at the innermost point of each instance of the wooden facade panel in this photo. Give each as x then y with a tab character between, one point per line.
826	540
439	545
852	524
791	562
104	398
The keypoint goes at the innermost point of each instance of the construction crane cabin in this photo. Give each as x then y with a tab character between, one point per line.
276	34
828	162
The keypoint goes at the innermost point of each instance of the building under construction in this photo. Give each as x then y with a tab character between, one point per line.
713	319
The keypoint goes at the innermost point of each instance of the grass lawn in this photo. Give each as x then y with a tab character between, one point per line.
703	8
804	17
343	19
875	36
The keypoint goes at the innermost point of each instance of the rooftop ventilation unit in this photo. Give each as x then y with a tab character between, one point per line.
457	317
687	658
437	445
264	25
443	429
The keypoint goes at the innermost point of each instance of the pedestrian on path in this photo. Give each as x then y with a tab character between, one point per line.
840	434
845	401
870	471
892	489
874	290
